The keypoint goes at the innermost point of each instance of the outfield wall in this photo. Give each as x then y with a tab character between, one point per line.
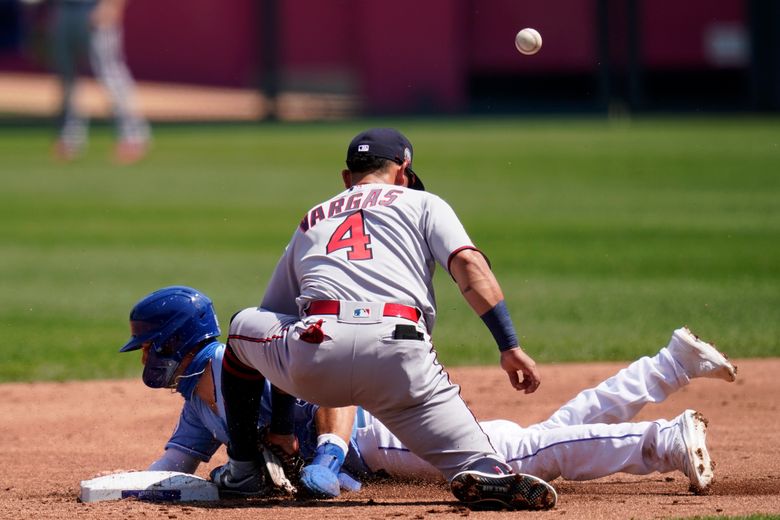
451	55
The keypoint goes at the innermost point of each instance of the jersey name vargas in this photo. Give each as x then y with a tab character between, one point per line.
347	203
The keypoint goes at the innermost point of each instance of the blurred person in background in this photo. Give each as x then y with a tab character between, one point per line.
94	28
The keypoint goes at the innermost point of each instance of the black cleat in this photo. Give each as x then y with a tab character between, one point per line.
250	485
513	491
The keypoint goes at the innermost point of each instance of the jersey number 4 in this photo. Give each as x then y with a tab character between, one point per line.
351	235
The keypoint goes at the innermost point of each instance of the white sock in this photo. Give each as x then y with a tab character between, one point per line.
333	439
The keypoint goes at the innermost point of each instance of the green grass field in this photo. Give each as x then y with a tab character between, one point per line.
605	236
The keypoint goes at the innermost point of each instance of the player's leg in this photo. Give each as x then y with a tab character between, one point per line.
69	42
383	453
399	378
108	62
589	451
242	388
256	349
646	380
337	364
272	343
400	382
575	452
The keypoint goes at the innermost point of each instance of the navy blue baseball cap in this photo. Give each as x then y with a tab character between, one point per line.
387	143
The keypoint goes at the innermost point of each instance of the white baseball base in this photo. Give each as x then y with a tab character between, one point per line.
171	486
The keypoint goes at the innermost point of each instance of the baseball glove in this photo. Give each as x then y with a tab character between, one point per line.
283	468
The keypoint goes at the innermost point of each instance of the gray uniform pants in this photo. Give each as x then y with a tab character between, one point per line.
73	38
398	381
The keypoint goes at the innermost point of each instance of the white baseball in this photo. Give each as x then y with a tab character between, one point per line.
528	41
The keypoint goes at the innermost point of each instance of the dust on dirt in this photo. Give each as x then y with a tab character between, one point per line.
53	435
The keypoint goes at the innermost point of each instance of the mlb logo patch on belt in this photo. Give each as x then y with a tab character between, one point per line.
361	312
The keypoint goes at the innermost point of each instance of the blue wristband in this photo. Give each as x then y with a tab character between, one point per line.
500	325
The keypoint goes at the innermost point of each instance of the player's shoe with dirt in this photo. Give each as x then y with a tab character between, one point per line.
239	479
697	464
130	151
480	490
699	358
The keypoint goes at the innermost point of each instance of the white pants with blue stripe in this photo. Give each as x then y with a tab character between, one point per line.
586	438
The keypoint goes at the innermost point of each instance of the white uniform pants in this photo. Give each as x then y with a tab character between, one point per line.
575	442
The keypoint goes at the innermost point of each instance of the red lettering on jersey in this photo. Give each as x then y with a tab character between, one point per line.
372	198
351	235
316	214
354	201
390	197
335	207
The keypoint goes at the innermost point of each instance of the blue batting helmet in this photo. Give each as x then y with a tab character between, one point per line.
175	320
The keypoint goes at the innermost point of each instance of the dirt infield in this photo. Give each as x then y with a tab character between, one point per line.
53	435
39	95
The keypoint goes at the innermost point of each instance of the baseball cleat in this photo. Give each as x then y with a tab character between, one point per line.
251	484
511	491
699	358
130	151
698	466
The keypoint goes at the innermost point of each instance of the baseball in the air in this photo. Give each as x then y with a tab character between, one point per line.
528	41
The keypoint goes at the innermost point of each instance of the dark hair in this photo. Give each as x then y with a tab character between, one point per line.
365	163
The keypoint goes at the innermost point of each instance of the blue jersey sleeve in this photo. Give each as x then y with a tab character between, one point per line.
192	436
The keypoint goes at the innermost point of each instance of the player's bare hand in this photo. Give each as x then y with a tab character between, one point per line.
516	362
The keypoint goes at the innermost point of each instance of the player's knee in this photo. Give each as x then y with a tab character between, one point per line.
238	320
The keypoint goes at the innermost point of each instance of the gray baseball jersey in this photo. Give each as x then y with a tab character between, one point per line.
373	243
324	333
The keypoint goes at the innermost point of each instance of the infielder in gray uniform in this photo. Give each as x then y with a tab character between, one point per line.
347	320
94	27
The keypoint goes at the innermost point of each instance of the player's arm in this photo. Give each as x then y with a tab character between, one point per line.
336	421
191	443
481	290
335	425
175	460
